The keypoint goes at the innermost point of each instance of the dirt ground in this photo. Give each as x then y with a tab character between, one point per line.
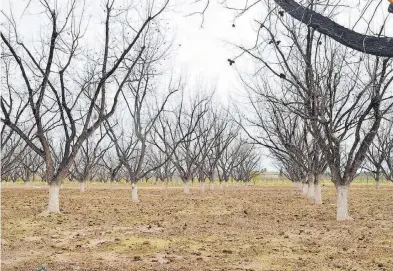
242	228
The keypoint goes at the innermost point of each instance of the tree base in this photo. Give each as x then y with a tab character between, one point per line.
317	194
342	203
345	219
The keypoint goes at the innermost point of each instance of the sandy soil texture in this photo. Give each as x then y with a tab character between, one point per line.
241	228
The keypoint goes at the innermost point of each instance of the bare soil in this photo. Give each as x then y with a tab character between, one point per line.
241	228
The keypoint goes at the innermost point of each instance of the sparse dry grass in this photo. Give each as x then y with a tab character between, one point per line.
243	228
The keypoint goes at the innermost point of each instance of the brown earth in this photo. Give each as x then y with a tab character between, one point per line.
242	228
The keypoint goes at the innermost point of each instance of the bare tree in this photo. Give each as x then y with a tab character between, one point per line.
112	165
228	161
32	163
336	91
224	132
85	164
378	153
66	85
12	145
133	147
247	164
11	156
204	144
384	144
187	134
165	168
285	134
143	107
362	113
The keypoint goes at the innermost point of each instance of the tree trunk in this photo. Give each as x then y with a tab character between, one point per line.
221	187
318	193
377	185
53	204
305	189
211	186
203	187
27	179
317	189
82	186
342	203
311	189
134	192
186	188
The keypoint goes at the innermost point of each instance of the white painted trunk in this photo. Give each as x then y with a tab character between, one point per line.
377	185
221	187
53	205
211	186
311	190
82	186
134	192
342	203
305	189
186	188
295	186
318	194
202	187
227	184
